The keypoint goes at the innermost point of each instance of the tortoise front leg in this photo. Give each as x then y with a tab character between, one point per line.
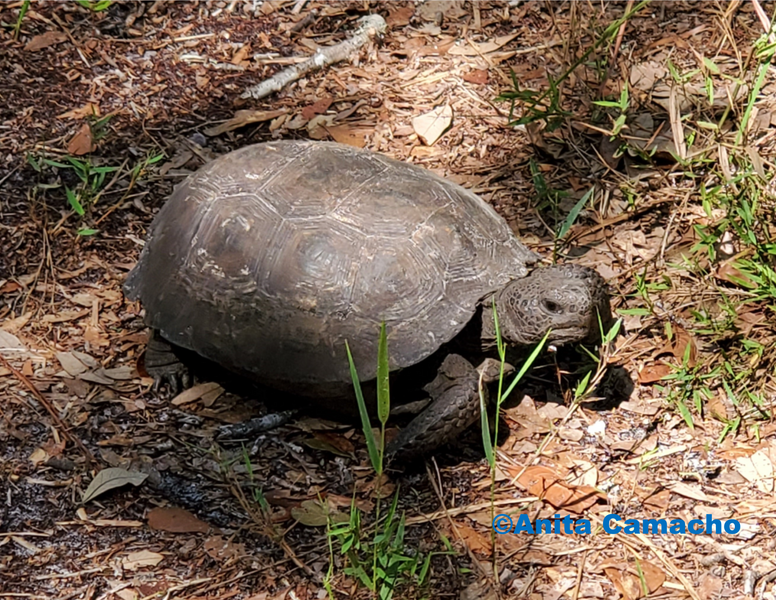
455	405
164	365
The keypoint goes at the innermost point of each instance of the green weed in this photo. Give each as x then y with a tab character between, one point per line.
380	562
95	5
22	11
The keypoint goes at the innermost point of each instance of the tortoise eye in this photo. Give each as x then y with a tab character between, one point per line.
552	306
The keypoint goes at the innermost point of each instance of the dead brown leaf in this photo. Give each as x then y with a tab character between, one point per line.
241	54
15	325
196	392
242	118
399	16
331	442
317	108
549	485
220	549
143	558
64	316
478	76
95	337
653	373
82	142
347	135
728	272
477	542
44	40
629	583
90	109
71	364
472	49
176	520
657	501
709	586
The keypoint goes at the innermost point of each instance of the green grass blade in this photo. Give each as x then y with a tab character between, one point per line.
23	11
574	214
365	424
526	365
487	442
72	198
383	387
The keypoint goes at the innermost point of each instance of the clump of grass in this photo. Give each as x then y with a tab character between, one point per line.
381	562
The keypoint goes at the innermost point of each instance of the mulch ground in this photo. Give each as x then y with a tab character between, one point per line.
151	90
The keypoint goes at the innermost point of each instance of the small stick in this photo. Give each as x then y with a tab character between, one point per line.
371	25
55	415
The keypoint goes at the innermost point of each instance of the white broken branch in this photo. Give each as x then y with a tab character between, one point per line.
371	25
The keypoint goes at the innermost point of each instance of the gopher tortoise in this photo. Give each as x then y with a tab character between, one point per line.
269	258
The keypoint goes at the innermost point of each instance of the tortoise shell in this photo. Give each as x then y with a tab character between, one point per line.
269	258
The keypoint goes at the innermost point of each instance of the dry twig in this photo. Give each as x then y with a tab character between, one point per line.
371	25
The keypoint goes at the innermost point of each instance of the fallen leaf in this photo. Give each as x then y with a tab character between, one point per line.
653	373
728	272
317	108
678	346
471	49
476	541
196	392
9	341
90	109
657	501
709	586
331	442
310	513
9	287
64	316
71	364
478	76
176	520
583	473
399	16
548	485
347	135
688	491
654	576
128	594
111	478
757	469
82	142
77	387
242	118
220	549
142	558
479	590
432	125
15	325
179	159
44	40
97	376
241	54
94	337
121	373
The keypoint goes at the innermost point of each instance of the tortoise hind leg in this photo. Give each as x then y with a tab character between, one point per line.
454	407
164	365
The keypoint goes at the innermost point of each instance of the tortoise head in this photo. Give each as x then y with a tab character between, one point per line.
565	299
